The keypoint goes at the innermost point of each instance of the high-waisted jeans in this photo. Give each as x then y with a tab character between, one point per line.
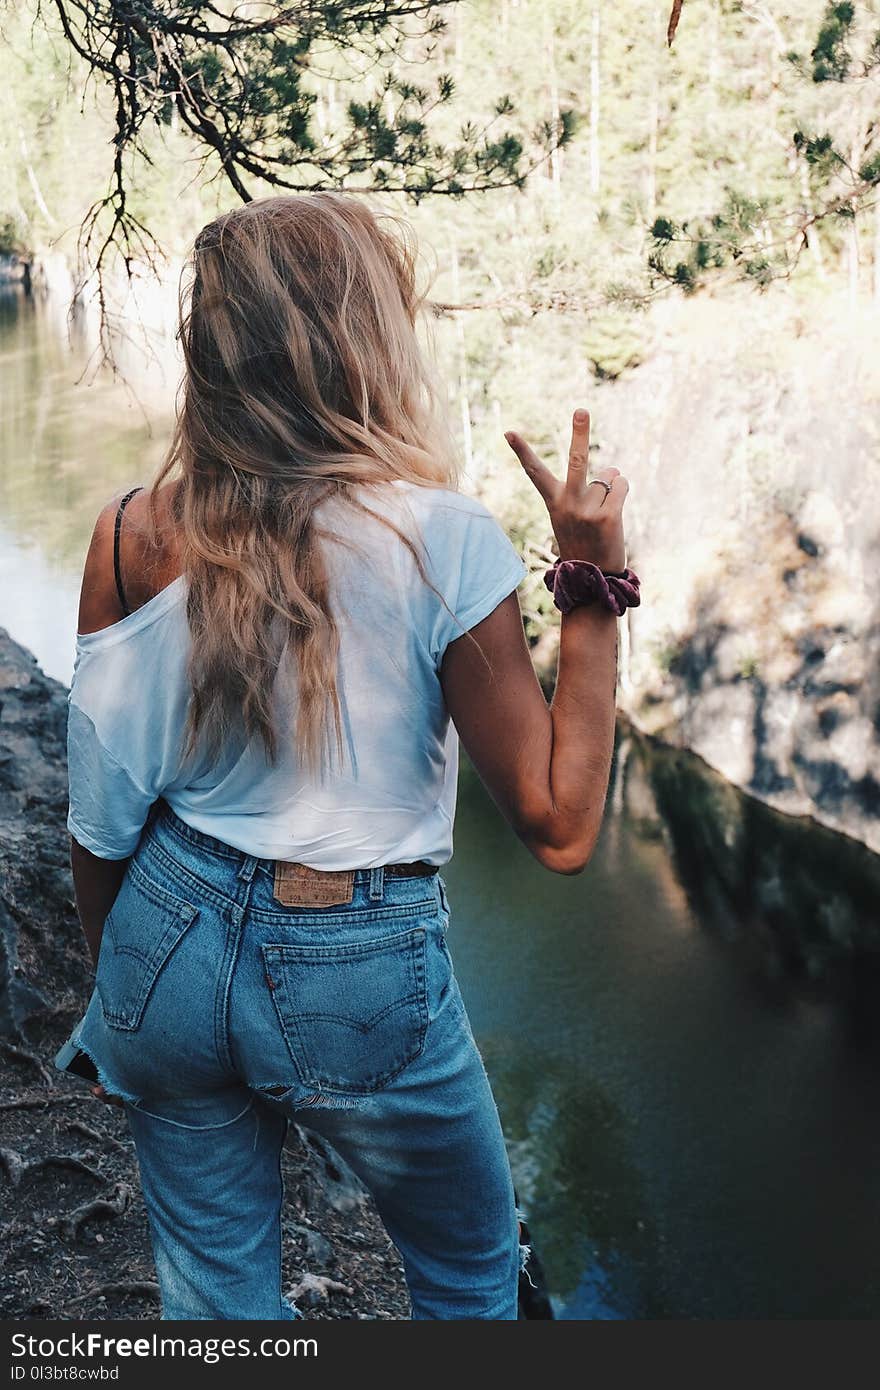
219	1016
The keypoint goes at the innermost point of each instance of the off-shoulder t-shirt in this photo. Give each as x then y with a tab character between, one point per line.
391	797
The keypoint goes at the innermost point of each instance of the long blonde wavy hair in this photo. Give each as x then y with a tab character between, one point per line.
304	377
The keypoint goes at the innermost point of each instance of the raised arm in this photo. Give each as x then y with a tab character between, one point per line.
547	767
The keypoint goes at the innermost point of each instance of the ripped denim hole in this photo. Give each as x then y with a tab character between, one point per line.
104	1080
320	1100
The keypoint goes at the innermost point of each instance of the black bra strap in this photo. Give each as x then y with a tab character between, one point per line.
116	530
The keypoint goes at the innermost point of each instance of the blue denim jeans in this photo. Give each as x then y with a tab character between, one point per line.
219	1016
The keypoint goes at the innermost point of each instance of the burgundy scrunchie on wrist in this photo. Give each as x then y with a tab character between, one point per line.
573	582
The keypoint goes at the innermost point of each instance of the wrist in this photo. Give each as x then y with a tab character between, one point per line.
574	583
607	566
594	618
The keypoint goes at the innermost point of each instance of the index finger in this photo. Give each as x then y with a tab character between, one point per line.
545	481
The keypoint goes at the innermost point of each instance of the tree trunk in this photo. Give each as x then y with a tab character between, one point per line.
32	180
814	242
852	259
463	384
595	153
553	83
653	119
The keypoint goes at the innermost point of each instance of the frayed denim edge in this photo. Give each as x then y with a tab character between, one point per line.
319	1100
525	1250
104	1080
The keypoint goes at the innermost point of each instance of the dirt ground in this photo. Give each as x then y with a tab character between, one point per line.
74	1230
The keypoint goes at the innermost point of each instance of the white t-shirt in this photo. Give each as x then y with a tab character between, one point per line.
393	797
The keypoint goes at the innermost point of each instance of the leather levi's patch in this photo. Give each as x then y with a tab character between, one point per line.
298	885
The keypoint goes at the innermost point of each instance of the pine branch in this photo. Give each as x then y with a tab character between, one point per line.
239	87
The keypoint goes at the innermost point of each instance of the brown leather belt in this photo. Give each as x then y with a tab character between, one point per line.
300	885
414	870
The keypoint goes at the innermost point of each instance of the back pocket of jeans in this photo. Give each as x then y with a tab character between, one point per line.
353	1016
144	927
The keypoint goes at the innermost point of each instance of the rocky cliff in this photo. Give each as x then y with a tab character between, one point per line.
749	433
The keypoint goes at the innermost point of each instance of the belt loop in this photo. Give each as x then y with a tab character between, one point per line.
377	883
248	868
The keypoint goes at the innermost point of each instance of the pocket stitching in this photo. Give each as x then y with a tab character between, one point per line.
157	891
310	916
184	914
349	951
288	1018
369	1024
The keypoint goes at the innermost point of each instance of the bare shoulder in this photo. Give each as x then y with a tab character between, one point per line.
146	566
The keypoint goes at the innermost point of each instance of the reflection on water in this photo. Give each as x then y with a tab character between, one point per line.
682	1039
798	901
678	1045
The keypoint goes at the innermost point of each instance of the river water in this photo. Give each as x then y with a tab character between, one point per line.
683	1040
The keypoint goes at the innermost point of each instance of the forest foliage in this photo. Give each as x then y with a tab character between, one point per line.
564	167
768	112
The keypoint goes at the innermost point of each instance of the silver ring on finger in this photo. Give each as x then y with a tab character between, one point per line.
602	482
